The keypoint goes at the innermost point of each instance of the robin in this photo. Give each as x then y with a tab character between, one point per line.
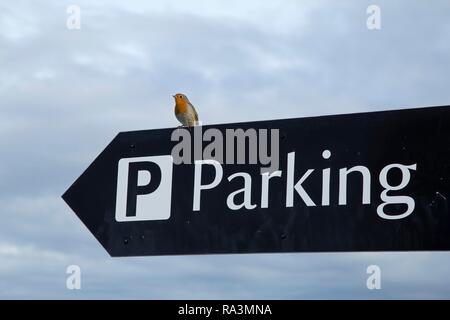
185	111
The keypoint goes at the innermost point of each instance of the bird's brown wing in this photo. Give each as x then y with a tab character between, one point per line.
195	112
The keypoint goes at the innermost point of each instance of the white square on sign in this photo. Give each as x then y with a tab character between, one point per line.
144	188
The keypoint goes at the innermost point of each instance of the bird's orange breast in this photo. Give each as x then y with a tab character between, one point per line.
181	107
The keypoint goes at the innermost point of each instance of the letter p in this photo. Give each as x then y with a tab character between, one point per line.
198	186
144	188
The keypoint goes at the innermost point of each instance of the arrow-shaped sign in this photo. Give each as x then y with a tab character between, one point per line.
374	181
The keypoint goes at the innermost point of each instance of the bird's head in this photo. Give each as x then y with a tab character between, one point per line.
180	98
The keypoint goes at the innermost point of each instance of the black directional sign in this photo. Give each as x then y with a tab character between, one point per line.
377	181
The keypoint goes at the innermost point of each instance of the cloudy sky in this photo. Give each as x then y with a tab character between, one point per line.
64	94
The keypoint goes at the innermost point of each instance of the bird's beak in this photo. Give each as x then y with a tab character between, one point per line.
173	96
